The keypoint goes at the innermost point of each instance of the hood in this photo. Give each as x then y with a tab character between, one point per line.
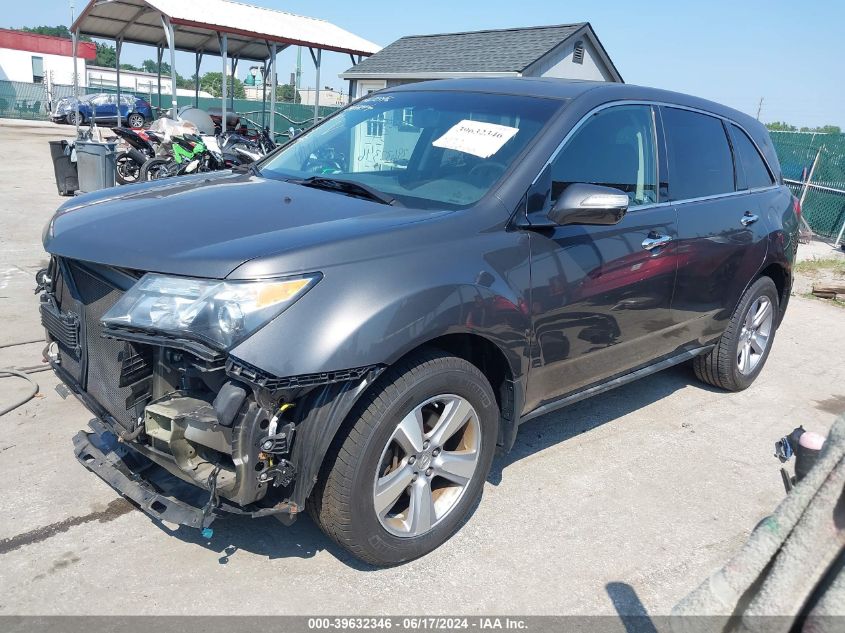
208	225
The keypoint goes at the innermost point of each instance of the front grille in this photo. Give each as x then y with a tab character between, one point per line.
116	372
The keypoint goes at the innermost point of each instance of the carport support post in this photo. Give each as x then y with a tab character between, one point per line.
174	102
264	94
235	60
224	82
273	91
75	38
160	56
318	58
198	61
118	44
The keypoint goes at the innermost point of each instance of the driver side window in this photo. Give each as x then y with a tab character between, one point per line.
615	148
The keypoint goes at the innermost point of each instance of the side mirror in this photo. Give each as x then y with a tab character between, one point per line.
582	203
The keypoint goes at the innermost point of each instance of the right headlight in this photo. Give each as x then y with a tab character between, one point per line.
221	313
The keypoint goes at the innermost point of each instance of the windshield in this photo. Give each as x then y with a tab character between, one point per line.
424	149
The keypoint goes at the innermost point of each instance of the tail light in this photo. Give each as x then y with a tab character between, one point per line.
796	207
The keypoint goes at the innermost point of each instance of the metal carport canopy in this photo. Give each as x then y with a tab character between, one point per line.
217	27
198	22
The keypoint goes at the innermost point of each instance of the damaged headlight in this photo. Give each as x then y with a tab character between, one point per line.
219	312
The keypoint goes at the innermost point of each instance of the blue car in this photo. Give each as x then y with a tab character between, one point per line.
134	111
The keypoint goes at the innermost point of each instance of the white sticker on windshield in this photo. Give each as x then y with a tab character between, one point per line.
476	138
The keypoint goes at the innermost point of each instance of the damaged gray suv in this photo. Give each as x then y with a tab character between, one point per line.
355	324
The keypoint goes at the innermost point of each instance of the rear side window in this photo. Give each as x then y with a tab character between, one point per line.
700	162
754	169
614	148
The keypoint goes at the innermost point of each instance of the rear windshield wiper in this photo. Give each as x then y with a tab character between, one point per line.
346	186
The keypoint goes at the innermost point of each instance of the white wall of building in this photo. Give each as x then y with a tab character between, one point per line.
131	81
138	83
16	65
327	97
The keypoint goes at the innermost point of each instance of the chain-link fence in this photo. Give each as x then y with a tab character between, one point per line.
814	167
20	100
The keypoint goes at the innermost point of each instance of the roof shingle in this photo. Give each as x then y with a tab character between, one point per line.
506	50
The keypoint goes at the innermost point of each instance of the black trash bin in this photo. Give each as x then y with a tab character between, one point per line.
67	179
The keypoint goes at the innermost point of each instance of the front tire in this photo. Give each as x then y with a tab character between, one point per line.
70	117
741	352
127	168
413	464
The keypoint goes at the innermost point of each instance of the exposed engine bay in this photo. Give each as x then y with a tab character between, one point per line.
252	442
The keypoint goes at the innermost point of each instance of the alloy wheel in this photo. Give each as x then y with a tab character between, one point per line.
427	465
755	334
135	121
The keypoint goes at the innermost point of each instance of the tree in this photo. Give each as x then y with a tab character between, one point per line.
286	93
212	82
824	129
150	66
780	126
54	31
106	55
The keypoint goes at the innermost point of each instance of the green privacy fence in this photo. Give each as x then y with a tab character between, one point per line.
22	100
824	204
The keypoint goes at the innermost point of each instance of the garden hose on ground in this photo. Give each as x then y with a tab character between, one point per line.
33	390
21	373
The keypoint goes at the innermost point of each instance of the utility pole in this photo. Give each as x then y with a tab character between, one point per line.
759	108
298	74
72	7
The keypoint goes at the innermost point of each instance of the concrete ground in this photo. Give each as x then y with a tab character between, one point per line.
622	503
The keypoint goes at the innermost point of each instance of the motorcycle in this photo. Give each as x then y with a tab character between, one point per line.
143	145
188	154
239	149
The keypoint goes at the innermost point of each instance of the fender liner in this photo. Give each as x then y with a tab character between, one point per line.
326	412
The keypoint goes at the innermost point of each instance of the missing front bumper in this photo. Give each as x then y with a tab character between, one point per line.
153	489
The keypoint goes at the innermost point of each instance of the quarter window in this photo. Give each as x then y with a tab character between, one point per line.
754	169
614	148
700	162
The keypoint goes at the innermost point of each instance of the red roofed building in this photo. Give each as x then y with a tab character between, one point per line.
33	58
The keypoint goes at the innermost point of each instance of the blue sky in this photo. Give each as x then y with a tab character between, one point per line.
791	54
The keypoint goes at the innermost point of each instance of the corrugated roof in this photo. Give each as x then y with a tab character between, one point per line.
248	27
493	51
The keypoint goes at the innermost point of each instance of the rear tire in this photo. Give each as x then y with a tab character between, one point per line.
157	168
741	352
135	120
453	404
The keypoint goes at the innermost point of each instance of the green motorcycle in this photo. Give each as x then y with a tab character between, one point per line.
188	155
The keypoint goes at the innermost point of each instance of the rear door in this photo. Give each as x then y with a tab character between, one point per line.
601	295
722	233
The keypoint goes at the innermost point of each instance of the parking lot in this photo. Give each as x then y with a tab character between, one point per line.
623	503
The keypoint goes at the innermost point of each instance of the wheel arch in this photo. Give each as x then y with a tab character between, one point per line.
331	408
782	279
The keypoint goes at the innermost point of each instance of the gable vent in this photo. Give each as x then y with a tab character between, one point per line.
578	54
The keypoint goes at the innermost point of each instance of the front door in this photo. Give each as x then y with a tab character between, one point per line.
721	225
601	295
104	108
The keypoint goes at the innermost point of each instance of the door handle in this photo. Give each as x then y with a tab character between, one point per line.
650	243
748	219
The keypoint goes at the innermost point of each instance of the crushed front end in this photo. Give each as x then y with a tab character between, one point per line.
173	410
